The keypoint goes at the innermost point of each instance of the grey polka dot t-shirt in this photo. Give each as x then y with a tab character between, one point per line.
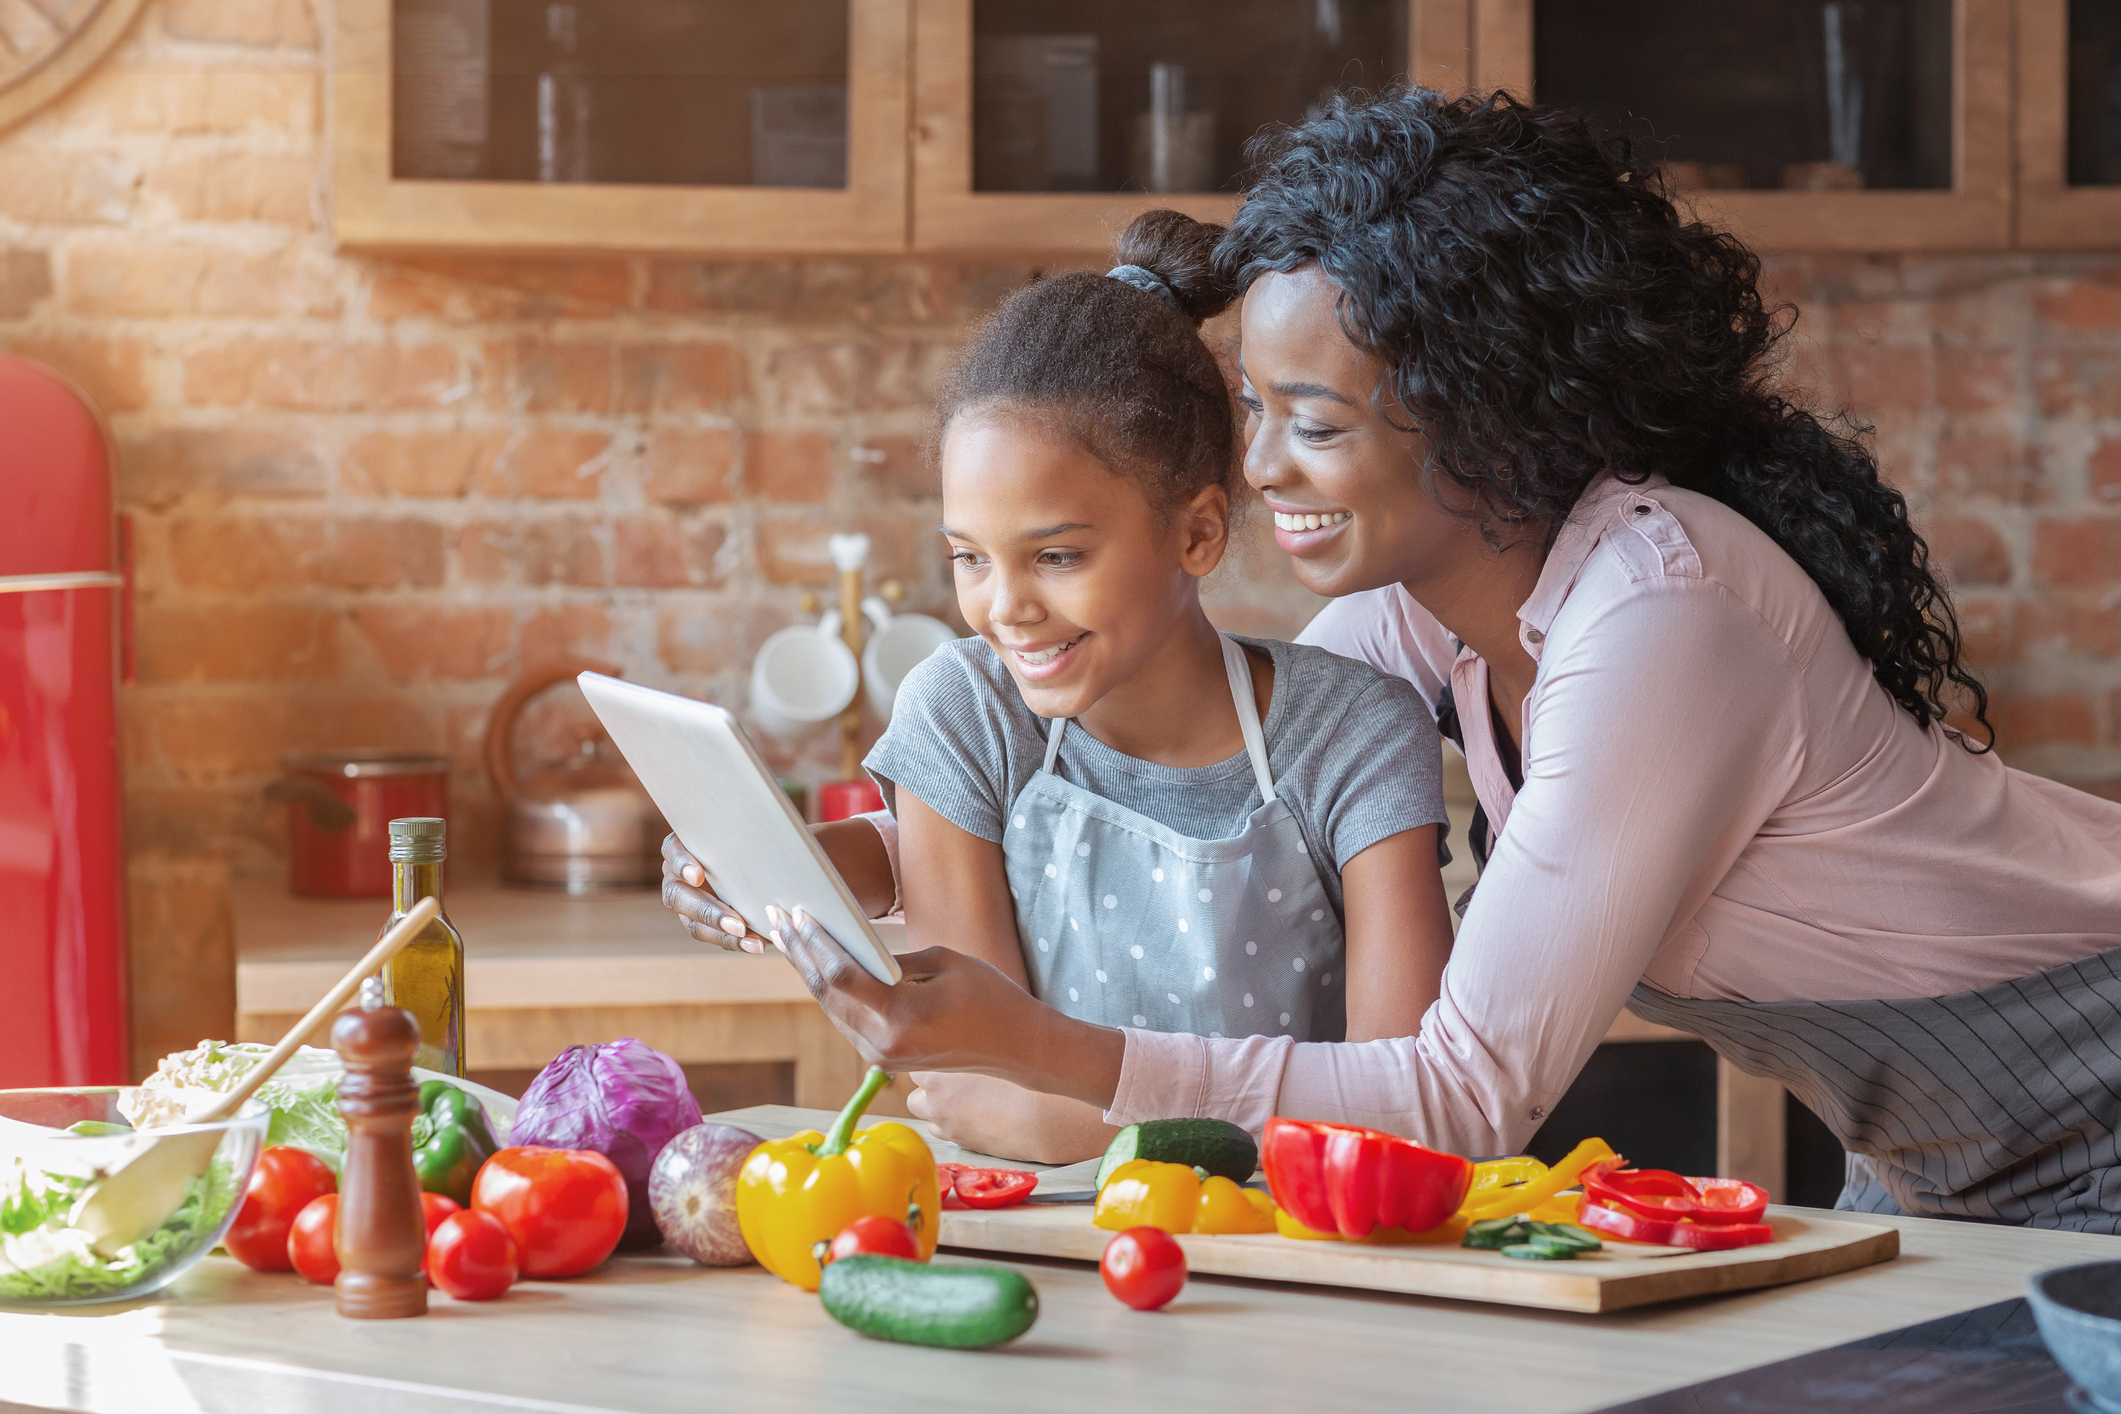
1352	751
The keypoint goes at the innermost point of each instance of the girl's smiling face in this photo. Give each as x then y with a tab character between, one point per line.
1343	482
1063	566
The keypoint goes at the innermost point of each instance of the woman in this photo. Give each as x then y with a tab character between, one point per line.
1700	669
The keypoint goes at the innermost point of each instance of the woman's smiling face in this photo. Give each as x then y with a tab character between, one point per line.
1343	482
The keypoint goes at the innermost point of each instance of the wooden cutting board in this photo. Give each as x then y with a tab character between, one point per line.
1621	1276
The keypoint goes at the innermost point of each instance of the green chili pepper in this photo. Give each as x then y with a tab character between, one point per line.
450	1140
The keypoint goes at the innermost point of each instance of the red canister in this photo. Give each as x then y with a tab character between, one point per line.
339	808
843	800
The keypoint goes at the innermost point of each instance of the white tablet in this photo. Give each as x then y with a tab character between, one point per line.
731	814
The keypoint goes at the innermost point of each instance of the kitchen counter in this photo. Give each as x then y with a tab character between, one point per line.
656	1333
544	971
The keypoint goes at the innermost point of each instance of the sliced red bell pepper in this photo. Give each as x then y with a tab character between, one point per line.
1349	1180
946	1185
1660	1193
993	1188
1671	1232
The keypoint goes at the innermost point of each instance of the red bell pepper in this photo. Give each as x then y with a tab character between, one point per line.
1672	1232
1340	1178
1660	1193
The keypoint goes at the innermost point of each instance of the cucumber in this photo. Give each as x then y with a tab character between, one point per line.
1540	1249
964	1308
1212	1144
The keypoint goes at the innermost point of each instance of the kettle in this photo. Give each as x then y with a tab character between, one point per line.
582	824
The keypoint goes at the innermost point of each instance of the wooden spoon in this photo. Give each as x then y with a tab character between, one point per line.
139	1197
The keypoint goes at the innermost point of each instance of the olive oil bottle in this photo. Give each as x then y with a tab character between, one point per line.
427	978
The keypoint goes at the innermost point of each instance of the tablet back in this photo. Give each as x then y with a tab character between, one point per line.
726	807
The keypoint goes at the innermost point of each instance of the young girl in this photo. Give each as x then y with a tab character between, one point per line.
1145	822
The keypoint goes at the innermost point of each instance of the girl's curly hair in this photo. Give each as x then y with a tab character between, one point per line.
1547	315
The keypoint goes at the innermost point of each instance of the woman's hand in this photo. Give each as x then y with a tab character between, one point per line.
990	1116
706	918
952	1012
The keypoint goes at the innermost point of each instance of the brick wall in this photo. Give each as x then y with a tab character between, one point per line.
368	493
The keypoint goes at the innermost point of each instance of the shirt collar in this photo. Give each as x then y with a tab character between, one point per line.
1587	523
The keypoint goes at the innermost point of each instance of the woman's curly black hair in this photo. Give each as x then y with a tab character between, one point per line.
1548	315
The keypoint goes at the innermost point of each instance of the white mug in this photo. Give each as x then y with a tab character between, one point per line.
896	646
803	677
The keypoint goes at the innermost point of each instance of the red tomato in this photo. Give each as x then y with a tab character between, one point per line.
434	1207
281	1186
309	1241
565	1208
994	1188
884	1237
471	1256
1144	1267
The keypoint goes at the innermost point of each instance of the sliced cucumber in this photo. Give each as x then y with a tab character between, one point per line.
1494	1234
1216	1145
1540	1250
1579	1238
963	1308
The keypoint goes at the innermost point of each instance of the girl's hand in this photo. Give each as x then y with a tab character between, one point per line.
706	918
952	1012
990	1116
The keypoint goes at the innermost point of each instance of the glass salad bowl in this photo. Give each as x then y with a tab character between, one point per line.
93	1210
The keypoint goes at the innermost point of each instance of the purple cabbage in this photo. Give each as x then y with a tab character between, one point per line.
626	1100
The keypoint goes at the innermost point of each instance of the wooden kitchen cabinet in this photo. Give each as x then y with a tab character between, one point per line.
2069	124
1912	100
620	125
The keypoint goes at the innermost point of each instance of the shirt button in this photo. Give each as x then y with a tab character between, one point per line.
1533	635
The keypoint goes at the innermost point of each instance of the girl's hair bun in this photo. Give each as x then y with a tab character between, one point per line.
1181	252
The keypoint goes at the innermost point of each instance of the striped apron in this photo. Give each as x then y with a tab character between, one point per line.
1999	1105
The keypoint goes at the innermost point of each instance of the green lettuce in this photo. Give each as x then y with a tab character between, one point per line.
47	1260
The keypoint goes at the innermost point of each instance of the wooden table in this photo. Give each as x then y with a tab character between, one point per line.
656	1333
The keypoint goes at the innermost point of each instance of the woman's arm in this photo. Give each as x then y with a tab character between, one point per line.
1399	934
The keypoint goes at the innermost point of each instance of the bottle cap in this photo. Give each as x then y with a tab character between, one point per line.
418	839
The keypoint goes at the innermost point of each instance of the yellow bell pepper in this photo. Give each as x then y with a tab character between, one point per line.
1145	1193
1225	1207
1568	1208
795	1194
1290	1227
1509	1202
1445	1234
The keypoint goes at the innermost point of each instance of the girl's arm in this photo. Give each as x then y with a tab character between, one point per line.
1399	934
956	894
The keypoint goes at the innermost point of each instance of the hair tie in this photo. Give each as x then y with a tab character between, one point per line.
1145	280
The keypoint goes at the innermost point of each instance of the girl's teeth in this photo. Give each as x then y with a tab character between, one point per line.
1284	521
1046	655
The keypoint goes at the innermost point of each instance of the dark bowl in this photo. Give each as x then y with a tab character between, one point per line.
2079	1311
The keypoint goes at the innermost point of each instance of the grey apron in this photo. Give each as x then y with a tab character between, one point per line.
1999	1105
1127	922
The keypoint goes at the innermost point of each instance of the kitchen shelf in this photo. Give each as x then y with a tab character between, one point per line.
2053	212
502	204
1969	210
951	142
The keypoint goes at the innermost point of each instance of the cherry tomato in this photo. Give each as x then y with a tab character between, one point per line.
994	1188
471	1256
565	1208
281	1186
434	1207
309	1241
1144	1267
881	1236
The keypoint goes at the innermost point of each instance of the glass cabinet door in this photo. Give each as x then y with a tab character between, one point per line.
1798	124
645	124
2069	124
1046	124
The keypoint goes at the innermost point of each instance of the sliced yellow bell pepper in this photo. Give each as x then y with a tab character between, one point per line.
1145	1193
1290	1227
795	1194
1509	1202
1567	1208
1444	1234
1225	1207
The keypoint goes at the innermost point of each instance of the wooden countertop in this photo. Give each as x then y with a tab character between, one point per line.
656	1333
522	948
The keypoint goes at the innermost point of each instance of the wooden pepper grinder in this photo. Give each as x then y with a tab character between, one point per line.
381	1234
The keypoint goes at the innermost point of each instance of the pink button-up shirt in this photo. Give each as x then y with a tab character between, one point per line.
1718	800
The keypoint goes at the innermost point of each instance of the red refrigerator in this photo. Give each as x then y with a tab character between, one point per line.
62	856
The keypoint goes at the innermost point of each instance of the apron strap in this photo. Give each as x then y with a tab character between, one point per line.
1240	670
